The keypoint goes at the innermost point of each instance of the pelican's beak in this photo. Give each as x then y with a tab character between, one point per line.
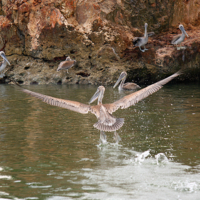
95	96
122	75
4	57
183	30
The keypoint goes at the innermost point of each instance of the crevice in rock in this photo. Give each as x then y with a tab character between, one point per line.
59	82
1	11
22	74
60	58
83	74
34	83
22	37
11	68
2	81
51	66
25	68
20	82
73	51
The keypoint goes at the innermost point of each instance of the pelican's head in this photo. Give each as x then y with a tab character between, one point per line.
68	58
146	25
2	54
98	95
182	29
121	77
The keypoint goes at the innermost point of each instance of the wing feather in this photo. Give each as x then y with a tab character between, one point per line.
135	97
175	38
67	104
136	41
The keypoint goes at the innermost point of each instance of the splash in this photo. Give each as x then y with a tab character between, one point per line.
185	186
161	158
140	158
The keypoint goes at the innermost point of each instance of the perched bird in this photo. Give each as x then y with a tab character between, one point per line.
125	86
179	38
67	64
106	121
141	41
3	64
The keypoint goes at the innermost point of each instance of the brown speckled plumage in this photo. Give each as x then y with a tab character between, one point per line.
67	64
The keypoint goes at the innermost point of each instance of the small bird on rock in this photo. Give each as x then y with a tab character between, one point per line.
67	64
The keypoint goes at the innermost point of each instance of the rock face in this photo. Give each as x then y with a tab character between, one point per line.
37	35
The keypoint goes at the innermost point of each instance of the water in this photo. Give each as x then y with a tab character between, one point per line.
51	153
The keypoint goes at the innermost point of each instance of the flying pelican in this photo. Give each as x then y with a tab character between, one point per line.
179	38
141	41
125	86
3	64
106	121
67	64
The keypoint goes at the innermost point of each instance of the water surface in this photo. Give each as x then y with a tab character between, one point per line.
51	153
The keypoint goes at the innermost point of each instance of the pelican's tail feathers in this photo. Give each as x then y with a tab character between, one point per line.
110	128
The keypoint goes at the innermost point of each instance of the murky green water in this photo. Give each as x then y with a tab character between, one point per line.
51	153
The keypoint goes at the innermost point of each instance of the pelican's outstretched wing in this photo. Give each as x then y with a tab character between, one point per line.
135	97
71	105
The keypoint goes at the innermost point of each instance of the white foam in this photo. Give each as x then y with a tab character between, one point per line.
161	158
140	158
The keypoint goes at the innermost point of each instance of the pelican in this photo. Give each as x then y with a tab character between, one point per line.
3	64
125	86
179	38
106	121
68	63
141	41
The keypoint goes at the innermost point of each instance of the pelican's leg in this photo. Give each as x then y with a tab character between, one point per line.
145	48
181	47
178	47
117	137
2	75
103	137
141	49
67	71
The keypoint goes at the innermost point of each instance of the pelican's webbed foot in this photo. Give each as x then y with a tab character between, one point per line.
103	137
117	137
181	48
141	49
145	48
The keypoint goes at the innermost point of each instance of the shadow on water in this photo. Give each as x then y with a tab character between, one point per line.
52	153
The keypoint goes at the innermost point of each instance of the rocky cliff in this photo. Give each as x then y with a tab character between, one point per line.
37	35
